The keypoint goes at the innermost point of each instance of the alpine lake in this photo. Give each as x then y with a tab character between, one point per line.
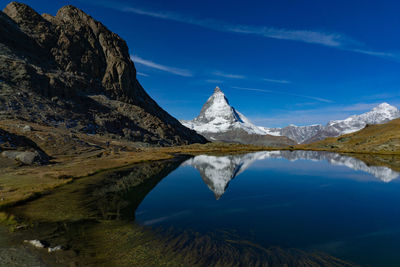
268	208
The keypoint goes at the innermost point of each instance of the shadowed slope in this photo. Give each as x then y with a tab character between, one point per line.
70	71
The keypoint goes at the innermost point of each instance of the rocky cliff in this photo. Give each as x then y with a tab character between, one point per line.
70	71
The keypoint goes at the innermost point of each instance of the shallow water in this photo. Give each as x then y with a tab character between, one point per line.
312	201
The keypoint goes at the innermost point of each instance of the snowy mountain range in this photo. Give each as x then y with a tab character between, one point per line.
218	171
219	121
308	134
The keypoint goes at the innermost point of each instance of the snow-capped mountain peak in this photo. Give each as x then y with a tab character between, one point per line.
217	90
217	116
385	111
384	106
379	114
216	107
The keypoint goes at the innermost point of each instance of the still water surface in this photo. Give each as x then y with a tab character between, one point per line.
305	200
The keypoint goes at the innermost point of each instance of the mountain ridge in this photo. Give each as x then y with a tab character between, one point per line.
312	133
70	71
219	121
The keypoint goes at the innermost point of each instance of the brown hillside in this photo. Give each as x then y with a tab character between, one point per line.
380	138
69	71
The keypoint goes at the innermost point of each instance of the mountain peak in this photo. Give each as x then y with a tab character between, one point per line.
218	116
217	90
384	106
217	106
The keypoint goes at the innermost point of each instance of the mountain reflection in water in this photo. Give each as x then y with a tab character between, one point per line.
218	171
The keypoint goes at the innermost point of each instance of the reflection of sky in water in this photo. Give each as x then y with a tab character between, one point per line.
349	210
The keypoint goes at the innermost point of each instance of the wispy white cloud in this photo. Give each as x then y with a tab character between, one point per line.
331	39
142	74
151	64
387	55
359	107
214	81
319	99
228	75
276	81
307	36
382	96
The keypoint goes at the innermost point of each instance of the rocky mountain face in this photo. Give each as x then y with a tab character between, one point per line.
297	133
70	71
308	134
219	121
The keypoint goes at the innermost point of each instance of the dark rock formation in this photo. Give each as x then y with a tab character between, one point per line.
70	71
22	149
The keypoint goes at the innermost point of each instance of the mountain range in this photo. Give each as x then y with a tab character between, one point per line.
308	134
218	121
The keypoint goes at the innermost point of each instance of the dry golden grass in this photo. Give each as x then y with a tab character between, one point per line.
373	139
18	184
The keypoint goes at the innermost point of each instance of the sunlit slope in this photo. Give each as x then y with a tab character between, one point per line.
379	138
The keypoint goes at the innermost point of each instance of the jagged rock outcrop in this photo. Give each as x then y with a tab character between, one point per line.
70	71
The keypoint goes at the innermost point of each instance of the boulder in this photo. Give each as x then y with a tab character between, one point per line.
25	157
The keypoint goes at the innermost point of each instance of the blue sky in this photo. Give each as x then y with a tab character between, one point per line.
278	62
